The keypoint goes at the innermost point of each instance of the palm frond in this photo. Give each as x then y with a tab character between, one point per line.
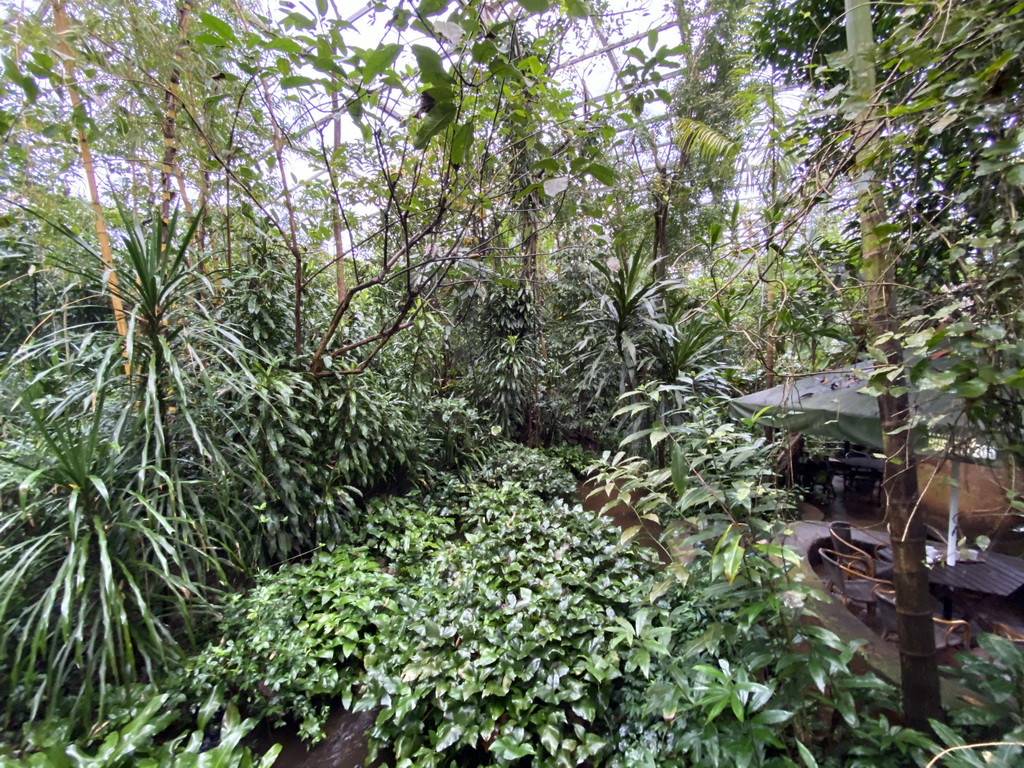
701	140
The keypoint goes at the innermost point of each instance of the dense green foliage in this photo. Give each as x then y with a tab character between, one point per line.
311	433
137	735
504	627
295	643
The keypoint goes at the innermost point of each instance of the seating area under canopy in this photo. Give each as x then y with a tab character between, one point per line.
974	588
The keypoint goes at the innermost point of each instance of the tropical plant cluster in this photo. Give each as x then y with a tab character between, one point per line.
318	323
477	640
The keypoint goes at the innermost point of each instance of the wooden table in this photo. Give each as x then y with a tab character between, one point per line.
990	574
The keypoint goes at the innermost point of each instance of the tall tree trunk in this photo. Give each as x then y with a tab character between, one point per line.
293	238
204	204
60	22
170	114
919	673
662	189
227	220
773	270
339	250
531	277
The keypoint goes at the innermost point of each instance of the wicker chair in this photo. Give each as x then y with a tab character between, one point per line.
851	578
843	543
1004	630
948	634
885	610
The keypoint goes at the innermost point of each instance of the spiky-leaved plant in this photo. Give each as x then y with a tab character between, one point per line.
117	499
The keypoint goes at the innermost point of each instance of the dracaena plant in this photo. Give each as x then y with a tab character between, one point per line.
99	559
117	498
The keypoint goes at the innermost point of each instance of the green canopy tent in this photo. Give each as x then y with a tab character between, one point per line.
835	404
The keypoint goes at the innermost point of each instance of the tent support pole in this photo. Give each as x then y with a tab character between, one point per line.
954	513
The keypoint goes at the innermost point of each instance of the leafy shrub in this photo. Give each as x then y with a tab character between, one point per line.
314	445
295	642
97	564
369	431
502	352
998	677
408	530
118	516
301	501
510	641
572	457
746	683
454	435
498	629
547	475
716	466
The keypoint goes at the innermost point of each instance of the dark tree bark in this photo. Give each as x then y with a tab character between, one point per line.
919	672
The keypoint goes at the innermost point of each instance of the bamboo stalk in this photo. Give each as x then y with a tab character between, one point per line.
60	23
293	240
919	673
170	114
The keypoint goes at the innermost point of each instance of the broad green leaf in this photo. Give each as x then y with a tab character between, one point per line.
772	717
602	173
436	120
100	486
806	756
661	589
297	21
550	737
535	6
296	81
578	9
628	534
937	380
499	67
401	18
219	27
640	621
505	748
461	143
970	389
680	471
732	557
431	66
448	735
25	82
592	745
214	41
285	45
375	62
432	7
484	51
209	707
736	704
270	757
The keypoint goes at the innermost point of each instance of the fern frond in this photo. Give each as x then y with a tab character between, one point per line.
700	139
